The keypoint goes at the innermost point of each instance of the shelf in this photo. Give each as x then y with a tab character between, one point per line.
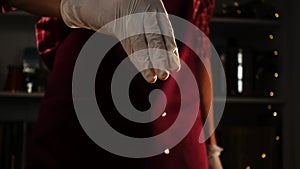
251	100
227	20
19	106
231	100
18	13
20	95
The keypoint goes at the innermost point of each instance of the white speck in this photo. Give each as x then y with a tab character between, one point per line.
167	151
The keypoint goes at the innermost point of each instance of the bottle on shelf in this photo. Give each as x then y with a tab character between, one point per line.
30	65
14	79
35	72
239	72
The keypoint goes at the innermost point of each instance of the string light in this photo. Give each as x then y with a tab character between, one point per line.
224	5
271	93
269	107
236	4
164	114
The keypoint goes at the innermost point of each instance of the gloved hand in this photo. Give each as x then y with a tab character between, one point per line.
94	14
214	152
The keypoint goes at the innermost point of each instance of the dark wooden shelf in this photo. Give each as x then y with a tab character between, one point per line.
19	106
225	20
251	100
17	13
4	94
231	100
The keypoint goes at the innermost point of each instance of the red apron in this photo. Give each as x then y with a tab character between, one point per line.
60	142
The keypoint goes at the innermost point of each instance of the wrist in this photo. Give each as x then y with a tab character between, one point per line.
213	150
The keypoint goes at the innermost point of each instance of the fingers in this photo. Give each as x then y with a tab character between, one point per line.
156	46
162	74
165	29
170	43
149	75
136	48
162	56
166	59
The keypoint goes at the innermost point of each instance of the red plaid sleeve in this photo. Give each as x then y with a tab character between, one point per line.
203	11
49	33
5	6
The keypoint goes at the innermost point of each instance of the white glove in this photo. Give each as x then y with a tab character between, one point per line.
94	14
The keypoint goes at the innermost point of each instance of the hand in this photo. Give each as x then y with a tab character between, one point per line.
214	162
214	152
154	63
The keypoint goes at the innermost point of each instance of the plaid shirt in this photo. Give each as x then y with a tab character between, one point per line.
51	31
5	7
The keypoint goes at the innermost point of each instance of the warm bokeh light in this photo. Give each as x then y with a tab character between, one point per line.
224	5
236	4
269	107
